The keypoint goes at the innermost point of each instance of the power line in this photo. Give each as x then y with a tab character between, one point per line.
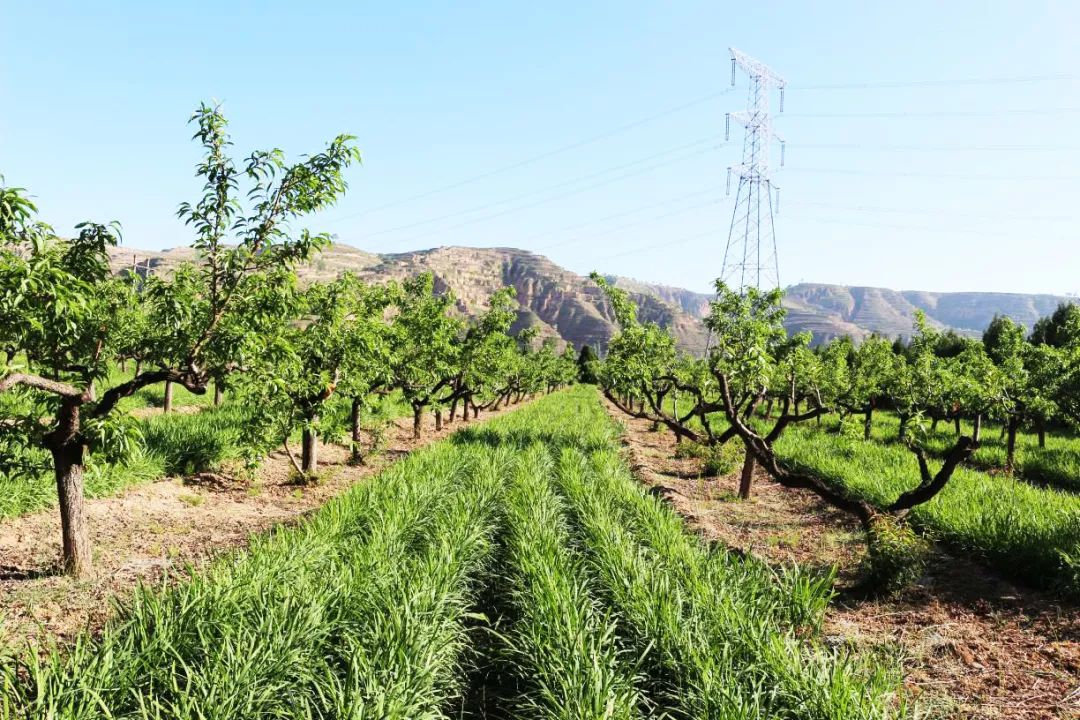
947	176
658	245
920	228
941	113
940	83
560	196
932	211
542	156
548	188
628	226
936	148
613	216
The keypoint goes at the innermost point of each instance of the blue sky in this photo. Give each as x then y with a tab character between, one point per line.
589	131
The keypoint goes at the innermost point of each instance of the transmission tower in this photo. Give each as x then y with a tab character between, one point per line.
750	258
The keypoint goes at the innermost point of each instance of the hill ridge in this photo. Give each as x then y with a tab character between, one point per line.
569	307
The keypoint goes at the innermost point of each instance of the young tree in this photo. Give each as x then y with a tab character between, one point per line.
337	342
870	368
423	344
586	361
58	301
485	357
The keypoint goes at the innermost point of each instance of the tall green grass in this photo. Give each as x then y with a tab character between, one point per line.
353	614
368	608
1027	532
562	642
1056	465
1021	529
713	631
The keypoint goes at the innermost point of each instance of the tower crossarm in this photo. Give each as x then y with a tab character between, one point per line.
756	69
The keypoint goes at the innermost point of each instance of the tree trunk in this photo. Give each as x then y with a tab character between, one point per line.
355	455
438	420
167	405
68	464
976	429
1042	434
796	407
1010	445
417	418
956	422
138	367
309	451
475	409
218	392
453	410
933	424
902	434
868	423
747	476
465	410
768	408
123	365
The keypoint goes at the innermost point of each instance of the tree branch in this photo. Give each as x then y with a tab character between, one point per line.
40	383
931	486
112	396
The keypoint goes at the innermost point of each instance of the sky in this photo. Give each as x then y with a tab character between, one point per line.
930	145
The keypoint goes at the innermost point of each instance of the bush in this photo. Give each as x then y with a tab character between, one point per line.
896	556
194	443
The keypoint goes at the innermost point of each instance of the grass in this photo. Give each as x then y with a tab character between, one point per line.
1022	530
1025	531
1056	465
563	642
716	629
373	607
176	444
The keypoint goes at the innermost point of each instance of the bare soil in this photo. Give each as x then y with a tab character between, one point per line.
153	532
971	644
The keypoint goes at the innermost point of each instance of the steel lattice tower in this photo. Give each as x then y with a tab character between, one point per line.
750	258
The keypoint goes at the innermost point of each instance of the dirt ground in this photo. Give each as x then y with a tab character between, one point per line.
971	644
151	530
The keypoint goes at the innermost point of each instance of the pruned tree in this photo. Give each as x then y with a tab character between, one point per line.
58	300
423	344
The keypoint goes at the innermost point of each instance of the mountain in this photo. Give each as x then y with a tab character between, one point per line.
831	311
562	304
569	307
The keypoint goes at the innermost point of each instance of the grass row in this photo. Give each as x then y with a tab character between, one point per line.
709	623
178	444
1025	531
352	614
1056	465
368	608
562	643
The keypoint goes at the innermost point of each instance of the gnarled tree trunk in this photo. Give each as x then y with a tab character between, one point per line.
309	451
417	419
747	477
1010	443
355	455
438	420
167	404
67	453
218	393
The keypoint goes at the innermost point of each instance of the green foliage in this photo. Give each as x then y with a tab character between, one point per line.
587	361
371	607
895	556
196	442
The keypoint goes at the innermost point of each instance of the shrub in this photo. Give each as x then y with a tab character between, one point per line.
896	556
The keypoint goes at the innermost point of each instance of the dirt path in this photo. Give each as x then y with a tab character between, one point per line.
148	530
973	645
